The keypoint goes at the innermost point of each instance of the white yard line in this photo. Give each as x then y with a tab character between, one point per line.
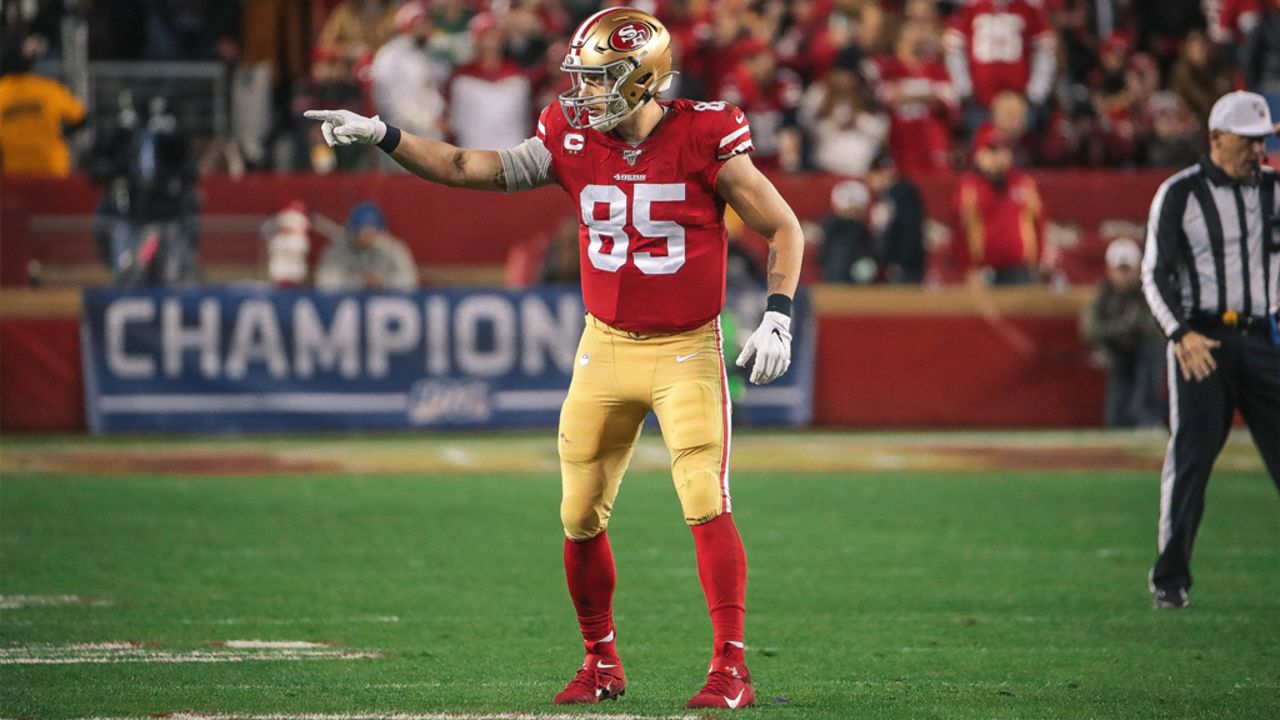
290	621
114	645
108	622
189	657
232	651
269	644
15	602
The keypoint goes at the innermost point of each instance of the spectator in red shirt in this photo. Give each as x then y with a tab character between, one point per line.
998	45
770	97
917	92
806	46
689	24
1002	220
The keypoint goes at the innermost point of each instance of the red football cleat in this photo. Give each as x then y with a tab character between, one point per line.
599	678
728	686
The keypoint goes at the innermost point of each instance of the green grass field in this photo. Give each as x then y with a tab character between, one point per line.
922	576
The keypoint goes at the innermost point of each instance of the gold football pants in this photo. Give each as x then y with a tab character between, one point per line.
618	377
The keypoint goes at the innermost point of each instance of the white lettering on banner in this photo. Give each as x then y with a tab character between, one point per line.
480	335
118	316
543	336
339	348
177	338
393	327
256	339
437	310
467	318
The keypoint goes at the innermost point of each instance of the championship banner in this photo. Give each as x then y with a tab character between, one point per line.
250	359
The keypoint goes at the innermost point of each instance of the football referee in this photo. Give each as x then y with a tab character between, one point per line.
1211	274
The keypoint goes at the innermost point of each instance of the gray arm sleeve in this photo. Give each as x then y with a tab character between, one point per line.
527	165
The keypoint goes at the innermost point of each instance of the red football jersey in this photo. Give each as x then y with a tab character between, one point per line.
652	242
998	36
919	135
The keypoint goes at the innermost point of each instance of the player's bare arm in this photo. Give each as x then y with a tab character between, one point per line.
432	160
755	199
741	184
454	166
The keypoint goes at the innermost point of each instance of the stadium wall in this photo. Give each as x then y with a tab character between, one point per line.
886	357
452	233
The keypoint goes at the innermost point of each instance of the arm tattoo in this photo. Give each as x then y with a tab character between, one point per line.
500	179
775	279
459	160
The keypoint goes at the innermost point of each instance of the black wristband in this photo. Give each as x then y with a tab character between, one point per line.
391	140
778	302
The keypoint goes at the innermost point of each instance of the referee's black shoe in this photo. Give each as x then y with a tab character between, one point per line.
1169	599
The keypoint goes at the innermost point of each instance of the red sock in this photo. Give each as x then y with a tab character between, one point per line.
722	568
588	566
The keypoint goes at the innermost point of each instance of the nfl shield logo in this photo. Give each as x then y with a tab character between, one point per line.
631	156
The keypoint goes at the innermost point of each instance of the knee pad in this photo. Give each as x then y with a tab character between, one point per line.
583	516
701	497
694	433
695	418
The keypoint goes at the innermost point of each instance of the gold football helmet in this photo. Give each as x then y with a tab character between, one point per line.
624	52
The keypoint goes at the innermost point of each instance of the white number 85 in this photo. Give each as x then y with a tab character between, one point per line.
615	228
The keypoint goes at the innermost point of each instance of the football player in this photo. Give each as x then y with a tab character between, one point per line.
651	179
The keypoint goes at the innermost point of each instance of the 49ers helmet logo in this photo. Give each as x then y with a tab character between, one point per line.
630	36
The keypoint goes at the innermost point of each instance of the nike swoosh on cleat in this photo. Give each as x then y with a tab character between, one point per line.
733	704
602	666
682	358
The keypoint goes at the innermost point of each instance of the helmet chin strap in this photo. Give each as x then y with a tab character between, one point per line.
661	84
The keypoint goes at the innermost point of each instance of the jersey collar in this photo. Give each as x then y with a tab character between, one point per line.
1219	177
667	112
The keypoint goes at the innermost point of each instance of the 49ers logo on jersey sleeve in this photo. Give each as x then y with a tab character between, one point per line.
630	36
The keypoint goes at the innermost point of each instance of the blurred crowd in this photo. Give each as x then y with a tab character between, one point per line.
884	91
828	84
880	91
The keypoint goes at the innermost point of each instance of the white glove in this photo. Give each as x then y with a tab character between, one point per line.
770	345
343	127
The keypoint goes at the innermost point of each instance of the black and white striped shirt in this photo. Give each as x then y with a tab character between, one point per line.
1212	246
